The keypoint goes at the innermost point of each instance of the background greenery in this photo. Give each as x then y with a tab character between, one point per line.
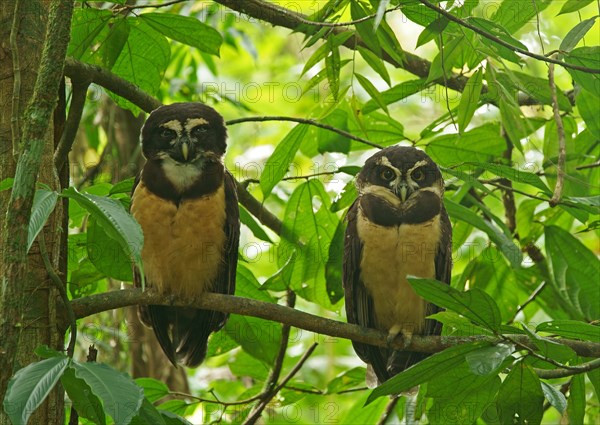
401	72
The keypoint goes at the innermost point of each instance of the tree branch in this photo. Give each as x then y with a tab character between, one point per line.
503	43
75	111
86	306
305	121
562	151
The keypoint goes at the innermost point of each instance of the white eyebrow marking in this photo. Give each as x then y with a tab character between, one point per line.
194	122
417	165
174	125
385	161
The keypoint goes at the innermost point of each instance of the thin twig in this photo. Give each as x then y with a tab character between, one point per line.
15	125
389	409
146	6
529	300
562	150
592	165
503	43
305	121
347	23
269	389
75	111
563	373
246	182
60	286
216	401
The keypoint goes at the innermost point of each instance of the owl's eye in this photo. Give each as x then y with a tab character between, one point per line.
201	129
167	133
387	174
418	175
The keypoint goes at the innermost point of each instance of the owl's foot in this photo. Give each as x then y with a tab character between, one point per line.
395	331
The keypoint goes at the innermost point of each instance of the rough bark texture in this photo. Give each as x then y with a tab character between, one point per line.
28	309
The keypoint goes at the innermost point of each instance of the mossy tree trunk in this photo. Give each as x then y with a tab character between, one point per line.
30	309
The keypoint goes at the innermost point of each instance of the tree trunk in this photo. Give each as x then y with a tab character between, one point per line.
28	307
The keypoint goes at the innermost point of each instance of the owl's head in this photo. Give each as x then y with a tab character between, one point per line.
401	170
184	133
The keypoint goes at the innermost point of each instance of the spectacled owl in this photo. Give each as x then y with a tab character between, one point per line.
186	203
397	227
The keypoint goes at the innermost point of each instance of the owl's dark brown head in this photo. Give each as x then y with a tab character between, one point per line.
185	132
402	170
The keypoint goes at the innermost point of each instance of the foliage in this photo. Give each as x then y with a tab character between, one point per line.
488	115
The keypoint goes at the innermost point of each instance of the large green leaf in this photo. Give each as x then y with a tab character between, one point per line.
573	6
44	202
120	395
575	271
87	25
515	175
554	396
148	414
143	60
513	14
360	414
154	390
576	402
115	221
571	329
459	396
507	247
520	398
587	104
469	101
106	253
30	386
429	369
86	403
576	34
588	57
281	158
480	144
186	30
474	304
395	94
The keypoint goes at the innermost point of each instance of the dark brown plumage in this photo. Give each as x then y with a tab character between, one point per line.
397	227
186	203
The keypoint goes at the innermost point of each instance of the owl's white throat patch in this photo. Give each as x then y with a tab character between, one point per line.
181	175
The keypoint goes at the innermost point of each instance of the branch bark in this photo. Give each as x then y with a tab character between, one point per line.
83	307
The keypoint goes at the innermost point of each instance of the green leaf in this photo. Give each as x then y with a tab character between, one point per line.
588	57
256	229
346	198
44	202
474	304
120	395
504	243
442	63
395	94
106	253
587	104
594	377
459	396
514	175
375	63
281	158
555	397
360	414
500	33
426	370
329	141
432	31
365	29
30	386
576	34
124	186
381	8
186	30
143	60
520	398
6	184
513	14
114	41
280	281
469	101
148	414
86	403
575	270
480	144
574	6
86	27
259	338
576	402
487	360
549	348
351	378
332	69
371	91
571	329
154	390
115	222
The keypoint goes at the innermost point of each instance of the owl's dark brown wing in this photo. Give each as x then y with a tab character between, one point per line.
359	304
